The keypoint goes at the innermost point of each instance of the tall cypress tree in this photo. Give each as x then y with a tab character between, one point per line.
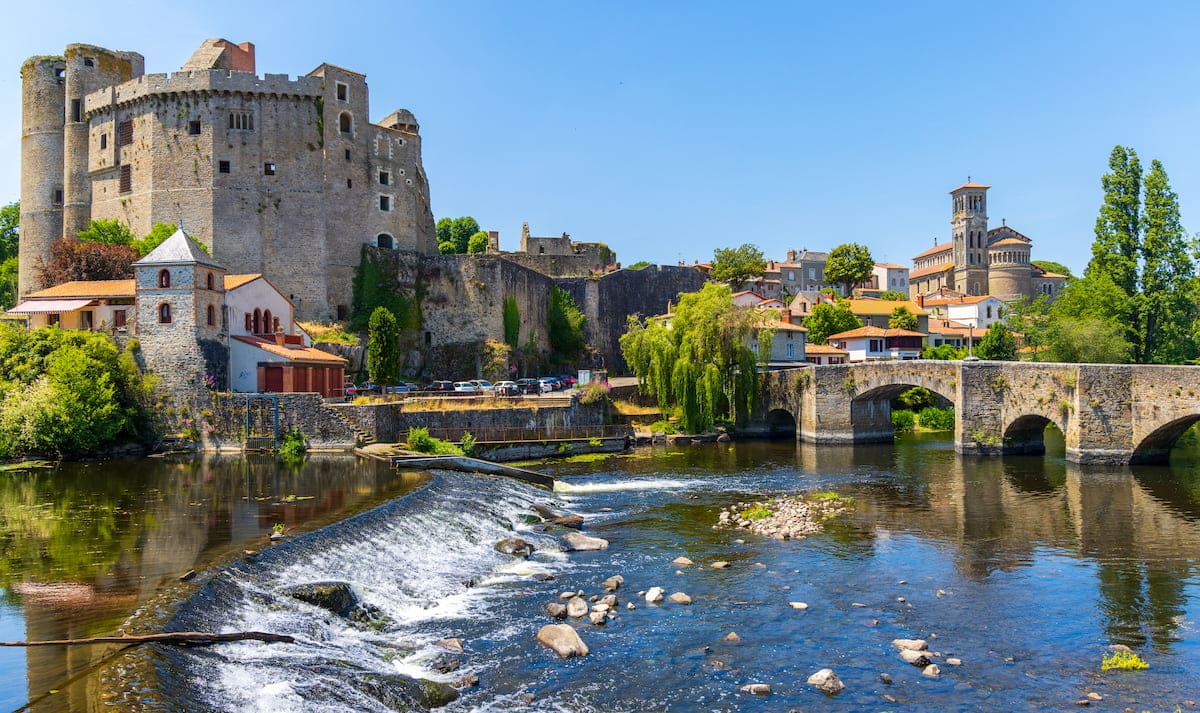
1168	303
1116	249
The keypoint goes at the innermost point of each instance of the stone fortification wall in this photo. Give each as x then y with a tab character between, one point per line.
463	305
320	423
557	265
389	424
608	301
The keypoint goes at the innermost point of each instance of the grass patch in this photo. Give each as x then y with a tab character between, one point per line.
419	440
334	333
758	512
628	408
663	427
1123	661
587	457
465	403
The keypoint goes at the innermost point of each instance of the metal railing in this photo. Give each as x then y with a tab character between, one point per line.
522	435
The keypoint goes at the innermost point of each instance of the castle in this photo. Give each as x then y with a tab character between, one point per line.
978	261
285	177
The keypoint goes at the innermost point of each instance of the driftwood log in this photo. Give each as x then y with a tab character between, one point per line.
174	637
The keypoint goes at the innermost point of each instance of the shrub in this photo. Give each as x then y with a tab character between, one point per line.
662	426
594	392
1123	661
903	421
467	443
936	419
758	512
917	398
293	445
595	442
419	440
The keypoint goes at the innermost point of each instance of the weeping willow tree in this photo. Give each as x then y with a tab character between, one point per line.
698	359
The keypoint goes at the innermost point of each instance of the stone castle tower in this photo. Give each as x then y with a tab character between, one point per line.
285	177
969	229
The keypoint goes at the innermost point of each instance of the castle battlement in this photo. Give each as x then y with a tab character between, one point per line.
213	81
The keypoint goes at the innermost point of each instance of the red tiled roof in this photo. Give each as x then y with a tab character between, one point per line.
292	352
875	332
923	272
933	250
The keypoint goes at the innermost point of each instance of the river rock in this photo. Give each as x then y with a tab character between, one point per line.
681	561
403	693
719	565
630	606
445	663
600	607
612	584
545	512
910	644
466	682
577	607
610	600
886	678
579	542
554	610
336	597
732	637
954	662
724	438
543	577
454	646
654	595
567	595
598	618
798	605
680	598
916	658
514	546
931	671
757	689
574	522
563	640
827	682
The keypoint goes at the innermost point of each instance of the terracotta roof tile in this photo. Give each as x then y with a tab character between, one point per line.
923	272
875	332
934	250
88	288
232	282
292	352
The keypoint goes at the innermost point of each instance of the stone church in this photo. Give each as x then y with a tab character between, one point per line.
979	261
281	176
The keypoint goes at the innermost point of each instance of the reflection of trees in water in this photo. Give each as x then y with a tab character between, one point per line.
1143	601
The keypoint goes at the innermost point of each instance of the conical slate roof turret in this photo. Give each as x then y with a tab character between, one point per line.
179	249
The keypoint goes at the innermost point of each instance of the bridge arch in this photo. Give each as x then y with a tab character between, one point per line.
1156	447
1026	434
871	409
781	422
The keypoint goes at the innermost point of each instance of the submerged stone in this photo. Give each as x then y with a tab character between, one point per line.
336	597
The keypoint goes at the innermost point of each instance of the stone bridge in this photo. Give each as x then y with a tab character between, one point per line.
1109	413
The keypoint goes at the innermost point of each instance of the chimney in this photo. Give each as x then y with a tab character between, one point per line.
280	338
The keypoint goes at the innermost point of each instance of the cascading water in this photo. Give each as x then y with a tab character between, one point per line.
420	562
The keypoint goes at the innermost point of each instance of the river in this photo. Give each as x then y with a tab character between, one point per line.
1024	568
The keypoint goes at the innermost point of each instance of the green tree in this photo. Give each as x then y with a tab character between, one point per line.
1051	266
457	232
943	352
1117	246
734	266
1085	322
1030	319
478	242
701	363
512	322
827	319
848	265
565	321
106	232
917	398
1168	297
998	344
902	319
156	236
447	248
893	296
8	283
10	219
383	347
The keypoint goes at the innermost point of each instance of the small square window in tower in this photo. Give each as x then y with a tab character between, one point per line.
268	169
103	141
125	133
76	110
347	154
385	178
194	127
222	167
385	203
343	92
126	180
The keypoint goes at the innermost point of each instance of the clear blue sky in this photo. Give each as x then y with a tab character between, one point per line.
669	129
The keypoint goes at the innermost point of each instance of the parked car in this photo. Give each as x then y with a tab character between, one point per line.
401	388
466	386
370	387
507	388
529	386
484	384
350	390
440	386
568	381
546	383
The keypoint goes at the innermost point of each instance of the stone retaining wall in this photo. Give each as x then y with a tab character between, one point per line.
389	424
320	424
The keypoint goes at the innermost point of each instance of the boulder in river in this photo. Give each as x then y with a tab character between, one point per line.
454	646
563	640
514	546
554	610
931	670
910	644
681	561
732	637
579	542
916	658
613	583
577	607
598	618
680	598
757	689
654	594
336	597
574	522
798	605
545	512
827	682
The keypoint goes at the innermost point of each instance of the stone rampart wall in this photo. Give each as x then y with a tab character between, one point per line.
318	421
388	423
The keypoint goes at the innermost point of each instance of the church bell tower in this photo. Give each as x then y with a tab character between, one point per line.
968	222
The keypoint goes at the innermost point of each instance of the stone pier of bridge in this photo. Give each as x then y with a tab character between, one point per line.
1108	413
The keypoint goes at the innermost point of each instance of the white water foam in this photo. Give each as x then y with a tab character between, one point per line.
561	486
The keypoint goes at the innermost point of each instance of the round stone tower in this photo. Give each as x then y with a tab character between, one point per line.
43	101
1010	274
89	69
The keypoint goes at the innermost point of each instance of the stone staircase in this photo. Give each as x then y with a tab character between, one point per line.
361	437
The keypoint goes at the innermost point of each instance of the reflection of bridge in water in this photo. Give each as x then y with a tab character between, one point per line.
1000	513
1108	413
